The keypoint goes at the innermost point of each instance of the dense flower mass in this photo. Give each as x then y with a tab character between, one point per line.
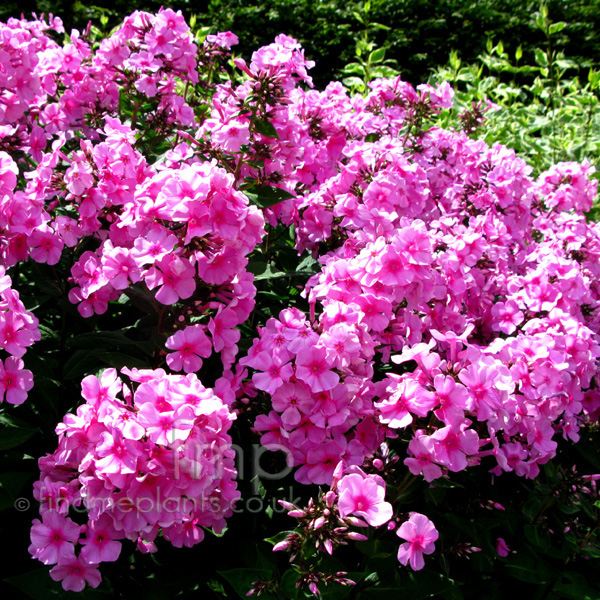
453	315
153	456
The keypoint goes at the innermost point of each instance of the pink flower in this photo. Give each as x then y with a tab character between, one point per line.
364	496
274	374
100	545
176	278
312	368
74	573
502	548
420	534
53	538
15	381
190	344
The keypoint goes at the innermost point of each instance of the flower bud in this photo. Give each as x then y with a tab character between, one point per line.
330	497
281	545
357	537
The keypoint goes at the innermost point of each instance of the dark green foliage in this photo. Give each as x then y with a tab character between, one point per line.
422	32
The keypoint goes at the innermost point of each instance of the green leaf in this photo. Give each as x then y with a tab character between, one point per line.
288	584
556	27
530	568
87	362
540	539
266	128
541	58
11	484
266	195
416	586
13	431
37	585
377	56
109	340
574	586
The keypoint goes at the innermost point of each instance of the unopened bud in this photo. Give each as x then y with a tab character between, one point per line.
357	537
240	63
356	522
330	497
297	514
281	546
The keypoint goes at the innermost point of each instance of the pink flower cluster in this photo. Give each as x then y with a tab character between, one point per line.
438	254
154	456
320	392
18	330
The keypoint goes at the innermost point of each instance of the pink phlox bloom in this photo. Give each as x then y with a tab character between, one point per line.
119	266
100	543
420	534
502	548
275	437
507	316
68	229
74	573
222	329
232	136
15	381
453	399
186	534
189	344
79	178
167	427
153	246
14	334
98	391
275	373
292	400
364	496
124	418
455	341
313	368
45	246
322	459
512	457
330	408
422	457
376	311
406	397
175	276
224	39
118	456
453	444
418	353
53	538
343	345
395	269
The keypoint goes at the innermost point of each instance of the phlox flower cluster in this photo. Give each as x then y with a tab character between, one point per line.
486	292
454	315
320	392
135	460
18	330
